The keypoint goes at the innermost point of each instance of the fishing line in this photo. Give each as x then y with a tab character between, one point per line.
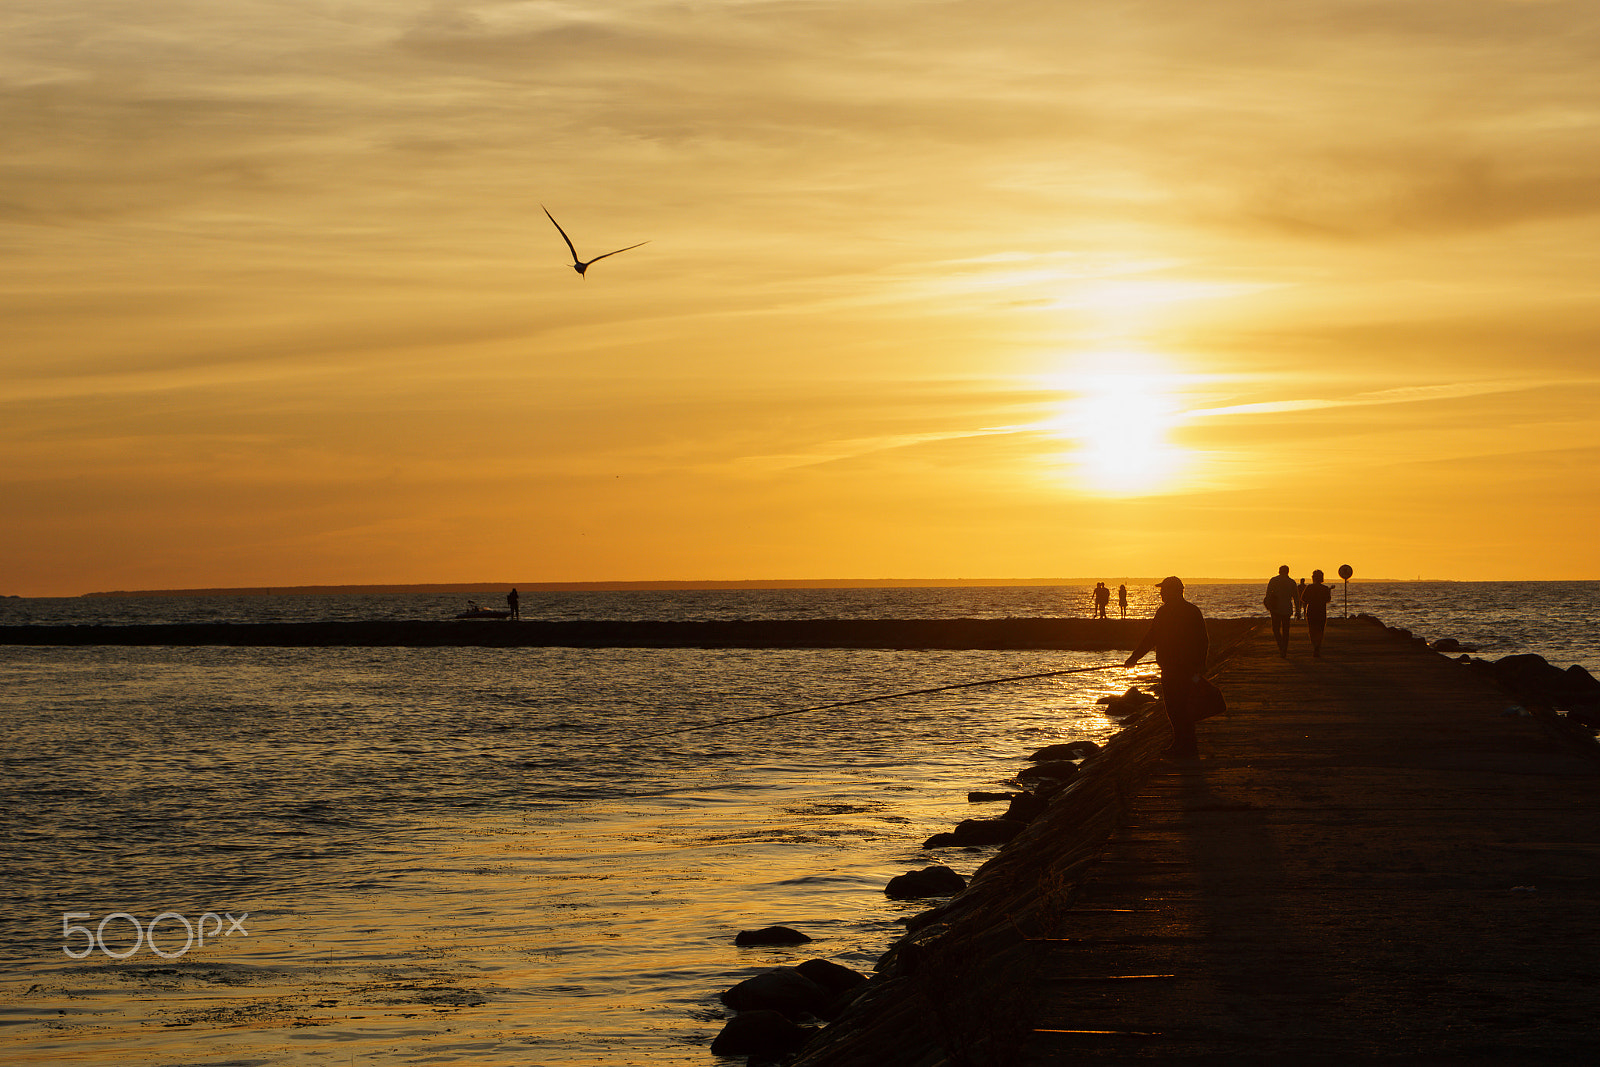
869	700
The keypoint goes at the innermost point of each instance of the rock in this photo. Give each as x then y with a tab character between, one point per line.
1070	750
929	882
1528	673
782	989
833	977
977	833
759	1033
1046	788
771	935
1446	644
984	798
1061	769
1536	681
1580	680
1025	806
840	1001
1133	698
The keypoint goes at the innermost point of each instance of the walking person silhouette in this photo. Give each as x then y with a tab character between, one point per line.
1279	603
1317	597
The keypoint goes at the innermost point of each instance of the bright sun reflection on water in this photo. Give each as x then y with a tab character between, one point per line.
1119	414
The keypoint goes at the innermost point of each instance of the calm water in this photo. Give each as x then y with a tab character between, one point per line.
473	855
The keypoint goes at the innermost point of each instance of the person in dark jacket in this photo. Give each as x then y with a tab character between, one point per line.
1178	635
1280	604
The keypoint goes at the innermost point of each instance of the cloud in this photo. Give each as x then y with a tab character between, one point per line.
1402	395
317	225
1428	192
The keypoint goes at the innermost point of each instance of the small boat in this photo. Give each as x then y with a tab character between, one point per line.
475	612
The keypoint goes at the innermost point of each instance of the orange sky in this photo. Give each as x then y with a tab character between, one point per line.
932	289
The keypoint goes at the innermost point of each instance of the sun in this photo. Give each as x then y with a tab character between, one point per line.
1119	416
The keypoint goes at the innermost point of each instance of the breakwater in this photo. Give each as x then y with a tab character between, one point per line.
962	986
1078	634
1381	854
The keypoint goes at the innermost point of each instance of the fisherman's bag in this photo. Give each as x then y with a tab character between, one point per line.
1207	700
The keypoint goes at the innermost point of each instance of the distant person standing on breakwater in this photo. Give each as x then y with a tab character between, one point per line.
511	602
1102	597
1299	598
1178	634
1317	597
1279	603
1122	599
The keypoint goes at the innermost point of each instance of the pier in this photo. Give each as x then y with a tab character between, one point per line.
1379	856
1078	634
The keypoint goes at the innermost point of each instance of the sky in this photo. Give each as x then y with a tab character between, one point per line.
932	289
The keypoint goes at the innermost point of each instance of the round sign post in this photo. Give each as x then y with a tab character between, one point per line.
1345	572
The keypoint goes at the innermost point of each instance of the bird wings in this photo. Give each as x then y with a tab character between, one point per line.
577	263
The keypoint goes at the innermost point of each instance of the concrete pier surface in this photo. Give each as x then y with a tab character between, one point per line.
1375	859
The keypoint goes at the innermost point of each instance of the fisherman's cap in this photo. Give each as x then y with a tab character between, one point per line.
1172	580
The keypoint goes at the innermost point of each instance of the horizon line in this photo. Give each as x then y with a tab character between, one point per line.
672	584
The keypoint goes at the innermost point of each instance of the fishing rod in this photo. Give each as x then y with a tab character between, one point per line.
869	700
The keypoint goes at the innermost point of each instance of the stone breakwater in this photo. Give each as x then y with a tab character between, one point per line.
1080	634
956	988
1445	812
958	979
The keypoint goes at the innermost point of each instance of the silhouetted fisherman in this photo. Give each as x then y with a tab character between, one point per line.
511	602
1122	599
1178	634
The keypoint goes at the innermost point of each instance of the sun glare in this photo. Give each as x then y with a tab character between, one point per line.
1119	417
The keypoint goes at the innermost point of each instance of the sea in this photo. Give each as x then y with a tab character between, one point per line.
330	856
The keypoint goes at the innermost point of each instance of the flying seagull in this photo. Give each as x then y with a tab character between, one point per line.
577	264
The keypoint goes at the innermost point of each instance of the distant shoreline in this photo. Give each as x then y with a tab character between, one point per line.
753	583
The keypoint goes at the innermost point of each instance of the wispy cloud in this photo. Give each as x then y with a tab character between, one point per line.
1409	394
842	450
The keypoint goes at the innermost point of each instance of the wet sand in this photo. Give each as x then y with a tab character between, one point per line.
1371	861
